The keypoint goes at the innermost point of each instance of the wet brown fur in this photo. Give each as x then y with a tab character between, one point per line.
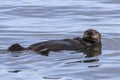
90	38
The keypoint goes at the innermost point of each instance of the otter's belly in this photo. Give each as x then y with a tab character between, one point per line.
55	45
59	45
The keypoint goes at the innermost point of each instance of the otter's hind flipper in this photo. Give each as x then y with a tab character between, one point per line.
16	47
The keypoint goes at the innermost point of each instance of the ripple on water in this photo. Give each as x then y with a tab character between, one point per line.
32	21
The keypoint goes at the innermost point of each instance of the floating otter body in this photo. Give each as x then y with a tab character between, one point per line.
90	38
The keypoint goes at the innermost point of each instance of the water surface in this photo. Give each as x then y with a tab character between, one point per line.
27	22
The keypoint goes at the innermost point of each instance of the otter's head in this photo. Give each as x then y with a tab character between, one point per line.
92	36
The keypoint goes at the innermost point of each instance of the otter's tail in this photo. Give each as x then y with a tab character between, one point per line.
16	47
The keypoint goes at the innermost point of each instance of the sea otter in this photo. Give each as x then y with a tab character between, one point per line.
90	38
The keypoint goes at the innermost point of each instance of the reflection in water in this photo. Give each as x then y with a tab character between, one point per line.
91	54
49	78
88	52
93	51
15	71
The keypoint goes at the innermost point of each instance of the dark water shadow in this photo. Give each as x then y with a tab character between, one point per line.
14	71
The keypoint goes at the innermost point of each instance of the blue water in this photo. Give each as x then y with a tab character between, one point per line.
28	22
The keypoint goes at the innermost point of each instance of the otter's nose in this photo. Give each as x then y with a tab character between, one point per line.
90	35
